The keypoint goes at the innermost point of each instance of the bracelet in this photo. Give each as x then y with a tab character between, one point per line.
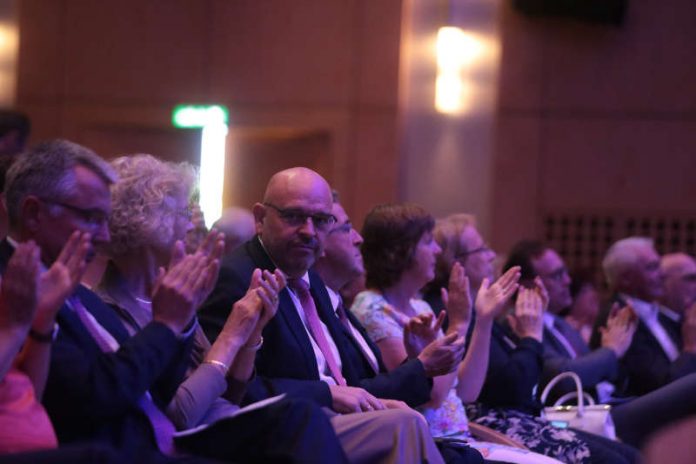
219	364
44	337
255	347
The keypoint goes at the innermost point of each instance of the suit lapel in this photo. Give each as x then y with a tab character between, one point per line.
286	307
349	356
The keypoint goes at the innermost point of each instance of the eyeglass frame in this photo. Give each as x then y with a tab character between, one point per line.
321	221
465	254
94	217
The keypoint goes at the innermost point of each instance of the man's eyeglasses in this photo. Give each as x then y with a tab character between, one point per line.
91	216
559	274
296	217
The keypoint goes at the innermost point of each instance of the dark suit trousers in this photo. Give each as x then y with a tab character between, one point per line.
288	431
638	418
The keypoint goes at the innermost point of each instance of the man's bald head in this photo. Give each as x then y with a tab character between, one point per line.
295	181
294	217
679	270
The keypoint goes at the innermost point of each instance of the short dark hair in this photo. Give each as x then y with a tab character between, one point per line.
46	169
391	233
522	254
14	120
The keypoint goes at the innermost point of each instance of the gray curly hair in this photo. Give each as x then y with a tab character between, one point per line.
141	201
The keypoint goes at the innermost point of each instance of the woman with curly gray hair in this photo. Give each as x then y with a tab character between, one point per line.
151	215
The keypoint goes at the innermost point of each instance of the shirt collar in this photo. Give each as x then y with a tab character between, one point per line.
644	310
548	319
334	297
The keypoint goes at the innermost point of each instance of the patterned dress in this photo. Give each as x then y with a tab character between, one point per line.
382	321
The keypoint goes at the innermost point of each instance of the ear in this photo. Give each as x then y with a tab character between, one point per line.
31	215
259	211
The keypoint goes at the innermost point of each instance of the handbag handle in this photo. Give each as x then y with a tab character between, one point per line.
578	387
589	401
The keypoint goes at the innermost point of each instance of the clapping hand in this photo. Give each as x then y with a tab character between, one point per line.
457	300
491	299
420	331
618	333
18	289
527	320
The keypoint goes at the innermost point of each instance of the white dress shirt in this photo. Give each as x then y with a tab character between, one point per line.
372	359
648	312
323	368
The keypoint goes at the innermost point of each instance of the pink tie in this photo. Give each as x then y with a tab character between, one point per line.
302	291
163	427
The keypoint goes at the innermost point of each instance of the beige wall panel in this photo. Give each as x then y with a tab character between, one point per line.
372	163
516	186
40	74
521	70
280	52
378	36
647	64
625	165
135	50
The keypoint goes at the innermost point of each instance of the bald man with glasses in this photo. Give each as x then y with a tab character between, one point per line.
305	352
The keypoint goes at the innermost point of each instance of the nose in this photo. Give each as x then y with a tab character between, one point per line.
308	228
566	278
102	234
436	248
357	238
492	254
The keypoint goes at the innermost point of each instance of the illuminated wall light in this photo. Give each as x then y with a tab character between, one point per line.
212	177
455	51
213	120
9	44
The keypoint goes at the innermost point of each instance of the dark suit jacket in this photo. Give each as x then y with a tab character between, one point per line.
286	362
93	396
645	364
591	366
514	370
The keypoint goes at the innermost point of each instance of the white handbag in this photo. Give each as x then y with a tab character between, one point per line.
586	416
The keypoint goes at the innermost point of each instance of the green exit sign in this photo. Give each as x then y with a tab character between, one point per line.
197	116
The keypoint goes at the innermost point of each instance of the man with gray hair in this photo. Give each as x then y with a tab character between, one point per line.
662	350
103	386
679	271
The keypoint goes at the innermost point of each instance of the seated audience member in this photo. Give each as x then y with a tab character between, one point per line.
400	254
508	401
238	226
679	272
584	309
103	386
150	217
636	418
305	352
564	348
14	132
27	319
662	349
24	353
341	263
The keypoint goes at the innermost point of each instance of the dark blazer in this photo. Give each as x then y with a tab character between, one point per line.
645	364
93	396
286	362
591	366
514	370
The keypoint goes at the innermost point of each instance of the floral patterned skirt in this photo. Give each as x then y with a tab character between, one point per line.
536	434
